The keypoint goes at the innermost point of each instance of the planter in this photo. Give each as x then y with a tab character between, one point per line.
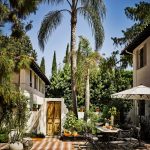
67	134
16	146
37	139
97	109
75	134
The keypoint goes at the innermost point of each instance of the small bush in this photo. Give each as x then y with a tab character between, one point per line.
3	138
34	135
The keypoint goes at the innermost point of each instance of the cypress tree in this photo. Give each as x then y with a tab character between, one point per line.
42	65
54	64
67	57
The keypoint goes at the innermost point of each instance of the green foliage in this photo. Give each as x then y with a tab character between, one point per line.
15	55
34	135
140	14
70	122
67	57
91	122
42	65
113	111
60	86
3	138
54	64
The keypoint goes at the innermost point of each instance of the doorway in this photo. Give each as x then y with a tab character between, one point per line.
53	118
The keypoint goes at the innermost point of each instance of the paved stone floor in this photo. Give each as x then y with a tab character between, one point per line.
53	143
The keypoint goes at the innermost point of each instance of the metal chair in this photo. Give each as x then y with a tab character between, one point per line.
126	140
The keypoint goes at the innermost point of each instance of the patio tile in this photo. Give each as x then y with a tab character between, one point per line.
52	144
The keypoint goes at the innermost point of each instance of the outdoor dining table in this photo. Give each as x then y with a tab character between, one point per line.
107	133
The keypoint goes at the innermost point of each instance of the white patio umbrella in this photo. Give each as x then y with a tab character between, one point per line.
140	92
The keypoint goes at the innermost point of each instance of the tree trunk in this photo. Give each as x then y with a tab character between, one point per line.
87	92
73	60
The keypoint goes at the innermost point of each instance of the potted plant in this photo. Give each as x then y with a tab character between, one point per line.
18	122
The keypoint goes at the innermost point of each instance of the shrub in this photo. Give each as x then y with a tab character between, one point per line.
73	124
3	138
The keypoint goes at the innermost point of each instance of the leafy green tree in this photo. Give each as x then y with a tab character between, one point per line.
140	14
108	79
12	59
16	13
93	12
60	86
42	65
54	64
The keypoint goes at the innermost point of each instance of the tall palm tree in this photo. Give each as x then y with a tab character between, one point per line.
92	10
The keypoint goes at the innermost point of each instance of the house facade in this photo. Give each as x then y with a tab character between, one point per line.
33	83
139	48
46	114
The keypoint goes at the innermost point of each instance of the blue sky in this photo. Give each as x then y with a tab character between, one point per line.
114	22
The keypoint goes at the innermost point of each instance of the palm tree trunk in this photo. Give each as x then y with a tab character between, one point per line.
73	60
87	92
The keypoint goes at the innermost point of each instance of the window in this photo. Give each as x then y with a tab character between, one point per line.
35	81
141	57
30	78
142	107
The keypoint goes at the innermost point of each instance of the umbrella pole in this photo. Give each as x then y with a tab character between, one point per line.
139	131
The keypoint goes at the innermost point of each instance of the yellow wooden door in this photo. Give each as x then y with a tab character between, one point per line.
53	118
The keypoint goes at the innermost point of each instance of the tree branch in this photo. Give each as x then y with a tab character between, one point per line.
65	10
76	3
69	3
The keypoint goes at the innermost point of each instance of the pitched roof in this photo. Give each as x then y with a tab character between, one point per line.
137	40
37	70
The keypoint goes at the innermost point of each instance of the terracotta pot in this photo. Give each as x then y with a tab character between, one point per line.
75	133
67	134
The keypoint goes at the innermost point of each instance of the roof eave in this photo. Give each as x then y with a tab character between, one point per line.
136	41
38	71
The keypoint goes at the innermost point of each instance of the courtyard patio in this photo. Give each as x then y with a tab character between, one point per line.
54	143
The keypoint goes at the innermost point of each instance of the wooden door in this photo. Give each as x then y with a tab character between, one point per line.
53	118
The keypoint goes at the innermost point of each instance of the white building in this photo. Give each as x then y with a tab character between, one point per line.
139	48
46	114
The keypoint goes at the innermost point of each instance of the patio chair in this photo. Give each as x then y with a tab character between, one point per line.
125	140
91	139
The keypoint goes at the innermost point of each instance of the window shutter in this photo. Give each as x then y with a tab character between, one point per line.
137	59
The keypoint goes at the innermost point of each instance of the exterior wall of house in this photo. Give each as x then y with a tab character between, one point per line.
38	122
36	95
141	76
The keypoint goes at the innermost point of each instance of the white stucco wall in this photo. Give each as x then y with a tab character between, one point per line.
39	117
141	76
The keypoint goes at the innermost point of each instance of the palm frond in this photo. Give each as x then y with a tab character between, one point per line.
95	22
54	1
97	5
49	23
